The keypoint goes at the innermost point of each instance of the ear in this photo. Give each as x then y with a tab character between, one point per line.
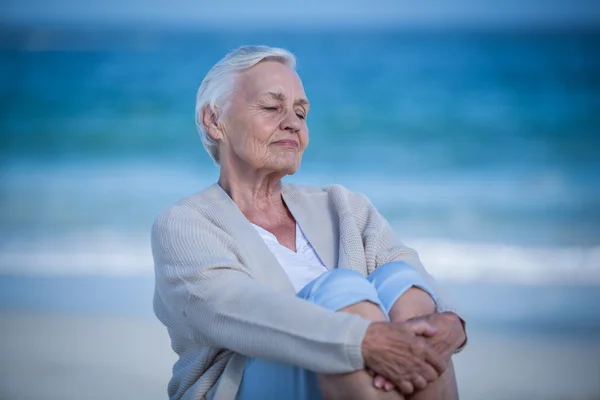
210	120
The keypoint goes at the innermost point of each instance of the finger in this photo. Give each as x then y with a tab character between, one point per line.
386	385
428	372
406	388
379	382
435	361
419	382
422	328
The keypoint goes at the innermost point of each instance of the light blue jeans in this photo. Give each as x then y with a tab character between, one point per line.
336	289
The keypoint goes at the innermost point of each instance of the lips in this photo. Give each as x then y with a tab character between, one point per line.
287	143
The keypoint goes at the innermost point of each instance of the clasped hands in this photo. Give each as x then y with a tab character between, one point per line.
409	355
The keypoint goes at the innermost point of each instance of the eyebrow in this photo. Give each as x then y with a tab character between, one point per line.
282	97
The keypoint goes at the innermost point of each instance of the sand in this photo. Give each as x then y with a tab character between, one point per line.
65	357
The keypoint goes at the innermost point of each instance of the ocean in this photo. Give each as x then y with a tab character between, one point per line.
480	147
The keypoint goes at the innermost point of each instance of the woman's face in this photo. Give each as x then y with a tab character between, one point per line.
264	124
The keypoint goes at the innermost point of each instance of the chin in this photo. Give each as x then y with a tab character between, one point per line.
287	168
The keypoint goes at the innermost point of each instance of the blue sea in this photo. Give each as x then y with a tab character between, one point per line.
480	147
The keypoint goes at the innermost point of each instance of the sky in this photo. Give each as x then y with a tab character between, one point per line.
306	12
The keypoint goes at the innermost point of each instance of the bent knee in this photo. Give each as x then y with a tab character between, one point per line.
366	309
413	303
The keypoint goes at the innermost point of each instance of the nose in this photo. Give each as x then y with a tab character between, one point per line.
291	122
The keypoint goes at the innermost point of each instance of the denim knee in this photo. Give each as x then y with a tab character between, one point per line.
340	288
393	279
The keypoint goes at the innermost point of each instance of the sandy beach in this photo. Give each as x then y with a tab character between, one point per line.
45	356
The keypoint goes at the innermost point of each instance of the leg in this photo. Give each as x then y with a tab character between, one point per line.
443	389
406	295
359	384
415	303
348	291
338	290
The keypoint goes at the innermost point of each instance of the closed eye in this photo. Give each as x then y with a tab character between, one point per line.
301	116
271	108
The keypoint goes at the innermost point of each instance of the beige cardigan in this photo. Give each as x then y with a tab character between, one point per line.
223	296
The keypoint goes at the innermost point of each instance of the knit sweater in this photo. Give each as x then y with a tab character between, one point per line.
223	296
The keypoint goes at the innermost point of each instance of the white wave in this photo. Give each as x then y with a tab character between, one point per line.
93	253
121	254
494	262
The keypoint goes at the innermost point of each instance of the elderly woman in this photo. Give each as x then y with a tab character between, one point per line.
276	291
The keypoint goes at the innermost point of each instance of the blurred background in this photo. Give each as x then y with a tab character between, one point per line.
473	126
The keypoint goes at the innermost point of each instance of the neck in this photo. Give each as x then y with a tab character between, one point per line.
251	190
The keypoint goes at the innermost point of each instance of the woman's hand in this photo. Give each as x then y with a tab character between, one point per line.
450	336
451	332
397	351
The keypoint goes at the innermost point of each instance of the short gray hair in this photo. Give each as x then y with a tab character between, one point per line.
219	82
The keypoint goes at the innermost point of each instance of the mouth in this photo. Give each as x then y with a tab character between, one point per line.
287	143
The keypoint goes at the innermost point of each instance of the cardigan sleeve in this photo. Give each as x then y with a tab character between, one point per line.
388	247
207	290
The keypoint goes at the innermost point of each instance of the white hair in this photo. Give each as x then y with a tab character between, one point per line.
219	83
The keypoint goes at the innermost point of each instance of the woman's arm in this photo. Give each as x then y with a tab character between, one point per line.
206	289
385	246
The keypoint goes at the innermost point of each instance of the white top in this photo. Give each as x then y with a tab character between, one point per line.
301	267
